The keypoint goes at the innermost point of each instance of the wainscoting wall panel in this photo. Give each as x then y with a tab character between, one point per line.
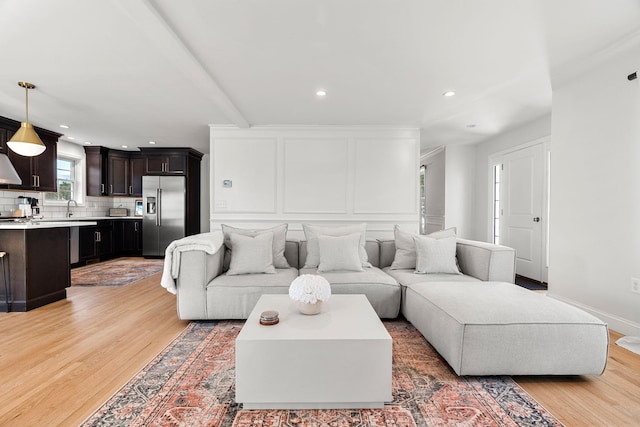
249	166
311	168
329	175
384	182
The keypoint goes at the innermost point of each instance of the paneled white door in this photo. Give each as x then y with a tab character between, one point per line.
521	225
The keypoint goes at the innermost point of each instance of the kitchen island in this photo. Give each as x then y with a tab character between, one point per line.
37	262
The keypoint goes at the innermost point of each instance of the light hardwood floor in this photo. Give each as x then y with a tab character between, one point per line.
60	362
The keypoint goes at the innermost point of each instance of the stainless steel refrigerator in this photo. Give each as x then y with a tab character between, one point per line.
164	218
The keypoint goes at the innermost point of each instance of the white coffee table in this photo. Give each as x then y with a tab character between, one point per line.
340	358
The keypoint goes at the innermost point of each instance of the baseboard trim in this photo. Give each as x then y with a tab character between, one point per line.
615	323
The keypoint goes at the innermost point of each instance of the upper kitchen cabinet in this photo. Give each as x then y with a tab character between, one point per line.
38	173
113	172
118	173
137	164
96	175
3	140
168	161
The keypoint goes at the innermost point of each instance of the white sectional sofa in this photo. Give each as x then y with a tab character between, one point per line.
205	291
477	319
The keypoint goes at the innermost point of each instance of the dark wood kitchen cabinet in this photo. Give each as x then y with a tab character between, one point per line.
38	266
113	172
118	173
127	237
96	170
3	140
110	238
162	161
38	173
95	241
136	171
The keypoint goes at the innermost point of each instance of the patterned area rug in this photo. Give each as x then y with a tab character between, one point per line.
116	272
191	383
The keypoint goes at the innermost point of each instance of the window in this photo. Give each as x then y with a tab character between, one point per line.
423	200
66	180
497	169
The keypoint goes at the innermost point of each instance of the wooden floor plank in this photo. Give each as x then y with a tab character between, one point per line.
60	362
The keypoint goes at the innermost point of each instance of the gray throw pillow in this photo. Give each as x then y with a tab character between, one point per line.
312	232
251	255
436	255
279	242
406	248
339	253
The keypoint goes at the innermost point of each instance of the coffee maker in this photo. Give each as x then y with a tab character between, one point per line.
24	206
28	206
35	209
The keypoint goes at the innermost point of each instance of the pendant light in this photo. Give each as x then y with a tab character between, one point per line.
26	141
8	174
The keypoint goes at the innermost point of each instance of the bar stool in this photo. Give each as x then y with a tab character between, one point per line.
6	284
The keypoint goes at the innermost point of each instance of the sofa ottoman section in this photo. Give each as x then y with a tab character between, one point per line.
495	328
407	277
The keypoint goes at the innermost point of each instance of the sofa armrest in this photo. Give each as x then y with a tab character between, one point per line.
486	261
197	269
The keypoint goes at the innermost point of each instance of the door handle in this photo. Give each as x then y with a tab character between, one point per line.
157	207
159	214
536	219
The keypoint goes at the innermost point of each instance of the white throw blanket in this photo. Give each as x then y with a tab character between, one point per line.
630	343
207	242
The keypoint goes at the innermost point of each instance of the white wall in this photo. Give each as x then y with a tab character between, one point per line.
317	174
595	191
459	189
535	130
205	191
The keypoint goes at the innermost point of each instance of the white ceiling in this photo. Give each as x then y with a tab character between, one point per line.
130	71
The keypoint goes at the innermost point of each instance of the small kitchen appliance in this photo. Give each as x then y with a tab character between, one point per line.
24	206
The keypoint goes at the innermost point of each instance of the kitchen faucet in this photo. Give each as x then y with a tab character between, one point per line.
68	207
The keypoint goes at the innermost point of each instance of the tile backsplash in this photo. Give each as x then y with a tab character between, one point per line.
91	207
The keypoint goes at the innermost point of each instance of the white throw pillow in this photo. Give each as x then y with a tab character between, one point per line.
436	255
339	253
279	233
313	231
406	248
251	255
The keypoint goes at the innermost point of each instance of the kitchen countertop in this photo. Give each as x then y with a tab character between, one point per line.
29	225
78	221
89	218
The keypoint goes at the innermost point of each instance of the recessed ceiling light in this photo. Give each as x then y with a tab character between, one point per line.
449	93
321	93
87	143
152	142
64	126
71	138
125	146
